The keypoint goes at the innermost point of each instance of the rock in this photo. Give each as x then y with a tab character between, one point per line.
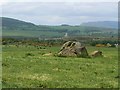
96	54
73	48
48	54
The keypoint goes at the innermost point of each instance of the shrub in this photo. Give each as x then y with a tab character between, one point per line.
29	54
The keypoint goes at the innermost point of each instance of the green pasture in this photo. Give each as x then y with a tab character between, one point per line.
27	67
32	33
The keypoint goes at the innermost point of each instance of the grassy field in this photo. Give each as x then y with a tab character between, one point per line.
26	67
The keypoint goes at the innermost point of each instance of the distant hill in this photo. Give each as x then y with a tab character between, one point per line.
104	24
10	22
13	27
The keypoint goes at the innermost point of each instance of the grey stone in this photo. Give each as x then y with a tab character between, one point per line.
73	48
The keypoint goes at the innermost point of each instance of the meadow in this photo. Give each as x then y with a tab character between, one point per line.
27	67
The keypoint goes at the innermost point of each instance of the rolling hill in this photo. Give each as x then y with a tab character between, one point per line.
10	23
104	24
13	27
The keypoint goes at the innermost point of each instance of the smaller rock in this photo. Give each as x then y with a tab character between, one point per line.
48	54
96	54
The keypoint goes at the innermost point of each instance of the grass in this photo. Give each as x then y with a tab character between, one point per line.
26	67
32	33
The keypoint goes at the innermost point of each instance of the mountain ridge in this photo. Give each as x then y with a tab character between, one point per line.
105	24
14	27
11	22
102	24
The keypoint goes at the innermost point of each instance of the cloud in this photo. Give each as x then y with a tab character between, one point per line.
61	12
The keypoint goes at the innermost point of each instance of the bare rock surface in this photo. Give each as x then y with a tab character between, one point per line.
73	48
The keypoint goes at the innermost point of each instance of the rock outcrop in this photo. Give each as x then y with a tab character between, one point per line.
73	48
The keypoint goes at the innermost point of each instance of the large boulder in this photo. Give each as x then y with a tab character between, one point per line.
73	48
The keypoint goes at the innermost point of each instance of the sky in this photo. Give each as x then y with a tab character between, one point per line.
72	12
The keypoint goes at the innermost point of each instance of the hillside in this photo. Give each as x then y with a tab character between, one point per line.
104	24
10	23
13	27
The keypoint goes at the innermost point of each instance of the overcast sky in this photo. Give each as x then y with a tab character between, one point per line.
56	13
